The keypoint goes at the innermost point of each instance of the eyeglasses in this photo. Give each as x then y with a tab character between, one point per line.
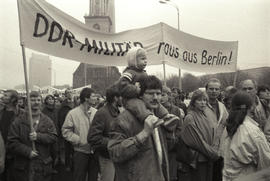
153	93
247	88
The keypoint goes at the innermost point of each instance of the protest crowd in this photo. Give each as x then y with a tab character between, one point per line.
141	131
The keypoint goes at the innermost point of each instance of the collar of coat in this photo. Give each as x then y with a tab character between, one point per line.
222	110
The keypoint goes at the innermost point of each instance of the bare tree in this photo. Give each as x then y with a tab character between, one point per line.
190	82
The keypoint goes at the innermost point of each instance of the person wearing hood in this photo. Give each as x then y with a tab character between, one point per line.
130	82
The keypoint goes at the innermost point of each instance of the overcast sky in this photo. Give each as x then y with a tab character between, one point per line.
246	21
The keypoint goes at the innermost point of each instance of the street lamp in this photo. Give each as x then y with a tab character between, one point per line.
178	27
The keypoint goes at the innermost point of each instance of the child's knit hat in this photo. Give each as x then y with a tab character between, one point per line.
132	56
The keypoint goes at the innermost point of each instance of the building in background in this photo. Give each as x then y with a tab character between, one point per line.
99	77
101	17
40	71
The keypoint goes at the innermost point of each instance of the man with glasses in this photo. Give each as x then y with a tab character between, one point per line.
139	148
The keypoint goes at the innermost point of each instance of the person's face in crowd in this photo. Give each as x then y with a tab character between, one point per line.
200	103
6	98
57	103
151	98
141	60
174	93
35	103
20	103
50	101
165	97
68	94
92	100
249	87
265	94
213	90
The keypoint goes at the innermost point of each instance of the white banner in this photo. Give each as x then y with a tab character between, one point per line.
49	30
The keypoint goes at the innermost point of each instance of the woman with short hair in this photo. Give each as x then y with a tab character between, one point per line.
198	134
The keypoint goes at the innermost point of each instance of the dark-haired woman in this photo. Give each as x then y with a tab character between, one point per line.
246	148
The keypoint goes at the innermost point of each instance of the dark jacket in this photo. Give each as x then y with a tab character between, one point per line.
134	160
98	135
172	137
62	113
5	122
52	114
20	145
2	154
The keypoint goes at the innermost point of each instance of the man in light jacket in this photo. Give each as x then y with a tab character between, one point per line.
218	111
75	130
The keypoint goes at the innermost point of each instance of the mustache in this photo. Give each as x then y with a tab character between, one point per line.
36	105
154	102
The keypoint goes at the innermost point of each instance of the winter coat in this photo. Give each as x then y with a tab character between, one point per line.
20	145
246	152
199	134
98	135
134	160
5	122
2	154
76	126
52	114
62	113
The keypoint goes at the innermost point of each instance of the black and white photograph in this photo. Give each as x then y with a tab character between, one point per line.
125	90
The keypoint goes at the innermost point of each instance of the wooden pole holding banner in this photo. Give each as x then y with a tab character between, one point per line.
235	77
164	72
26	81
28	96
31	174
